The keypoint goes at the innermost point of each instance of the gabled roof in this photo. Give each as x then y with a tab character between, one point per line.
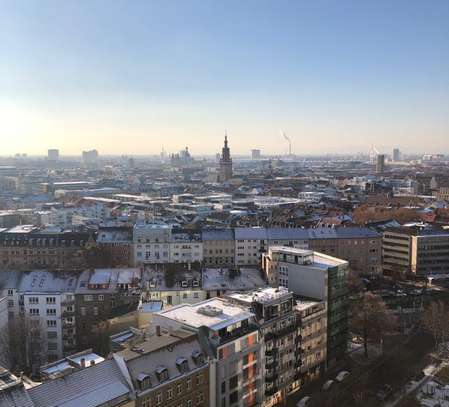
89	387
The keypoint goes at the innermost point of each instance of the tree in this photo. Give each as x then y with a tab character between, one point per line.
371	319
435	321
27	344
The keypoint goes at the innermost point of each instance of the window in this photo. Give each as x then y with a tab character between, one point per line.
33	300
146	402
83	311
95	310
52	346
51	300
10	292
10	303
189	384
159	399
51	323
52	334
88	298
101	298
34	311
199	379
51	311
169	393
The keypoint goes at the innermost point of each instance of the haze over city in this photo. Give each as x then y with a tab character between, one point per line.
130	77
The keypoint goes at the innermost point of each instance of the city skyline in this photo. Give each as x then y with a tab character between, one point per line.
335	76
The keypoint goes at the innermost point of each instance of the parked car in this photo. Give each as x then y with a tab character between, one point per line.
303	402
384	392
342	376
328	384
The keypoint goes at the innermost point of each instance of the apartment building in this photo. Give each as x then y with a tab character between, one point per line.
312	320
416	251
218	247
117	244
102	294
169	369
48	301
151	243
230	336
185	247
274	310
101	384
173	283
27	246
361	247
317	276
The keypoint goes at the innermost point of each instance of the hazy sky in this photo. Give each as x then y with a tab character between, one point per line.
133	76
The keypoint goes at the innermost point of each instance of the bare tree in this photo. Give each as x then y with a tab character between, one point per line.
435	321
371	319
27	346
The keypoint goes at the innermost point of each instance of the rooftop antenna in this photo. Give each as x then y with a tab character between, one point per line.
289	142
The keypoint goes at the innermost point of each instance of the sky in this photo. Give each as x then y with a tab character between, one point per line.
131	77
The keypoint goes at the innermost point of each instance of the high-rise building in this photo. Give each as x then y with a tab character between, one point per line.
380	164
318	276
396	154
53	155
90	157
225	162
255	154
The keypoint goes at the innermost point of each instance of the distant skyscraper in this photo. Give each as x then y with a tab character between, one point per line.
255	154
396	154
90	157
380	164
225	162
53	155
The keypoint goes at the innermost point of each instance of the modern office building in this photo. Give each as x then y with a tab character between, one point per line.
255	154
380	164
415	251
317	276
396	154
53	155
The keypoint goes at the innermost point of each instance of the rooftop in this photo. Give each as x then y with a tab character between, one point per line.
225	279
262	295
215	313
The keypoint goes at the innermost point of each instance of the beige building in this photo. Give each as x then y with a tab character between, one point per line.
218	247
421	252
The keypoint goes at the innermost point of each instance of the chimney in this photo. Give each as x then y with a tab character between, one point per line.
83	363
158	330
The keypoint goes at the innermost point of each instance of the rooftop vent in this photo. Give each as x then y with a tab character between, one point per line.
210	311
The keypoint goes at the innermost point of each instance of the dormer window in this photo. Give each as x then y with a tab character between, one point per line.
144	381
162	374
182	364
198	358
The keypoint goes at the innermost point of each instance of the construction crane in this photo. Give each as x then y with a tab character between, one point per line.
289	142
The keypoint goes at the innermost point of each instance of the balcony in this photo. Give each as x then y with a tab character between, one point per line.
271	391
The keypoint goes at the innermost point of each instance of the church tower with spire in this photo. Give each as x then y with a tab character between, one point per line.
225	162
